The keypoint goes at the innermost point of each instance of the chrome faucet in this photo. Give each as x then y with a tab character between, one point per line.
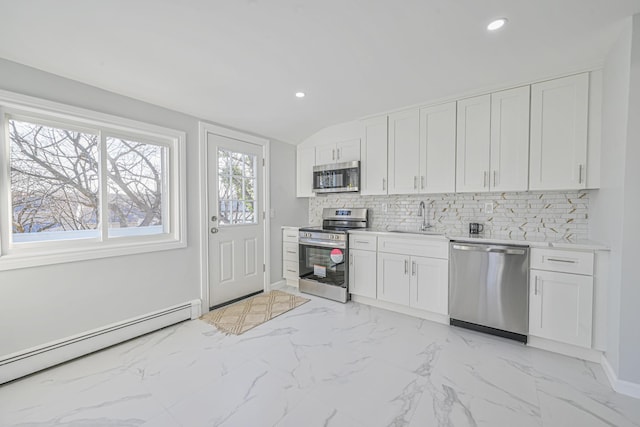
422	212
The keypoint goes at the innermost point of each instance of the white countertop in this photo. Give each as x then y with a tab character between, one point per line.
505	239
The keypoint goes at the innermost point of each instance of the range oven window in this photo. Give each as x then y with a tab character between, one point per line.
323	264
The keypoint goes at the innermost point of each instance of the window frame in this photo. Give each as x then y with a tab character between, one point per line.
32	254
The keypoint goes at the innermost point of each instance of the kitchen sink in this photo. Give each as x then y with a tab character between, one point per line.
427	232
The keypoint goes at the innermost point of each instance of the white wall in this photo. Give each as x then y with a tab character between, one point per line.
629	369
335	133
616	205
42	304
287	211
607	203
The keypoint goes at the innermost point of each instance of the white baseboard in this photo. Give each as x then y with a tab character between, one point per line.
589	354
34	359
434	317
621	386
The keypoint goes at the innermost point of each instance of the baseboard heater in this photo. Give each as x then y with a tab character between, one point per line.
28	361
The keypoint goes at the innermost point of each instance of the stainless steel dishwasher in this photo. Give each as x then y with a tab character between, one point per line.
489	288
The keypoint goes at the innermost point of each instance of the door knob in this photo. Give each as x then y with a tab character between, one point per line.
214	230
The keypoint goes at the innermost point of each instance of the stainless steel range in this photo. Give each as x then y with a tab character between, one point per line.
324	252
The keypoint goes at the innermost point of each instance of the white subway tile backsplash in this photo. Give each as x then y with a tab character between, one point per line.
553	215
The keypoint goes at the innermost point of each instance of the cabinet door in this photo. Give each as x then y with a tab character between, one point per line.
325	154
305	160
393	278
362	273
373	166
404	152
348	151
510	140
559	122
430	284
438	149
560	307
473	144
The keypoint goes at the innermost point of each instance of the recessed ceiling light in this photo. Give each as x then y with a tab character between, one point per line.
497	24
300	94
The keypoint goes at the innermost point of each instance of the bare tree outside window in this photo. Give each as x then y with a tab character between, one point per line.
54	180
55	184
236	187
135	173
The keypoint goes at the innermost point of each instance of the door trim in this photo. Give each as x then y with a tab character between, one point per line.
204	129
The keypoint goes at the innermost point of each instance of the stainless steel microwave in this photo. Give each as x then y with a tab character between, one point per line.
337	178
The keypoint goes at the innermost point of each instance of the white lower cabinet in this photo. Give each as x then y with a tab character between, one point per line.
406	278
362	273
290	255
561	289
561	307
393	278
429	289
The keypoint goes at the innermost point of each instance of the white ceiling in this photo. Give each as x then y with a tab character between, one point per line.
239	62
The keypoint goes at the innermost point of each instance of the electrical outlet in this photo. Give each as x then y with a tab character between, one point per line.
488	208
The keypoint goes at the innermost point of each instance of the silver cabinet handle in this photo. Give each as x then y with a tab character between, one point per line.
422	182
406	266
333	154
291	271
214	230
535	288
494	178
338	150
568	261
351	259
484	179
580	167
415	182
413	268
384	183
291	252
362	242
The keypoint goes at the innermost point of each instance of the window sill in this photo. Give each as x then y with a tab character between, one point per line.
37	259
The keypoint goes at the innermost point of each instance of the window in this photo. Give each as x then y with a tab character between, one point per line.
83	188
236	187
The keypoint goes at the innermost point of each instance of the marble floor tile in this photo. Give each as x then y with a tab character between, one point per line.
321	364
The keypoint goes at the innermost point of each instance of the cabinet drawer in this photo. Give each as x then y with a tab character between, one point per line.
290	235
360	241
290	251
562	261
290	270
424	246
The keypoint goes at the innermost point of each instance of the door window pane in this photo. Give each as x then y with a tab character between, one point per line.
135	172
236	187
54	183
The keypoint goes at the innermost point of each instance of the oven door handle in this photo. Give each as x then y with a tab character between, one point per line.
310	242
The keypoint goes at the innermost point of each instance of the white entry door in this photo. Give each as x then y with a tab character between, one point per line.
236	226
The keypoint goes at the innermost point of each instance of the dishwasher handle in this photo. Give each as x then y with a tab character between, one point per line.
497	250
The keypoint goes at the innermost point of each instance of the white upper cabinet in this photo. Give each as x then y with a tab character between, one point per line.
373	154
305	160
473	143
438	149
404	152
559	130
493	142
325	154
509	162
345	151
